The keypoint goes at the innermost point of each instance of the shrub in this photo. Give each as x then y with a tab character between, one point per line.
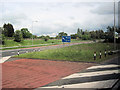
2	39
46	39
18	36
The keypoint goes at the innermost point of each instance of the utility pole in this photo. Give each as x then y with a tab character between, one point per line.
114	28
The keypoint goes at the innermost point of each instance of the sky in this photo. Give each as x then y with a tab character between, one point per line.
43	17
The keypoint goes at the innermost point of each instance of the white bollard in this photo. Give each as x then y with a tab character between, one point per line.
18	53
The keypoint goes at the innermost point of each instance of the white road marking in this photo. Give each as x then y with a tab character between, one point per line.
22	51
89	74
3	59
96	84
52	87
104	66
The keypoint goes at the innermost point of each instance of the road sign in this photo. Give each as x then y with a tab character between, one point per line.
66	38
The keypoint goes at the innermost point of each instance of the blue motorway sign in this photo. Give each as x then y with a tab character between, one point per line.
66	38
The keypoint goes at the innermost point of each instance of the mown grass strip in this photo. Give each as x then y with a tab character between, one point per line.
10	44
82	52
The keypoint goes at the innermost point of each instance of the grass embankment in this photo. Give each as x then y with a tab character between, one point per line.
28	43
82	52
36	42
10	43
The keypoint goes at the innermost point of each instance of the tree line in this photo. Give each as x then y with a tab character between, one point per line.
88	35
108	36
7	31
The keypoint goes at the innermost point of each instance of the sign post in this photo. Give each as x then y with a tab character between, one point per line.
66	39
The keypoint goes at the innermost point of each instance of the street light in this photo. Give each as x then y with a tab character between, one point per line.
114	28
32	30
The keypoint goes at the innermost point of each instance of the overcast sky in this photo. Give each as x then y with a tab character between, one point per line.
54	16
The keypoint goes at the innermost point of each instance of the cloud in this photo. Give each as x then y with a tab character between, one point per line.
105	8
14	18
55	17
57	1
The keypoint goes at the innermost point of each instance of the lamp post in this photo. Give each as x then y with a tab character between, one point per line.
32	30
114	28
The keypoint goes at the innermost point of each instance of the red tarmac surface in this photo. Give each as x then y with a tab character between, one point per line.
33	73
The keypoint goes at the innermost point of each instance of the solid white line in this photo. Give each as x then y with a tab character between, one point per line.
89	74
104	66
52	87
96	84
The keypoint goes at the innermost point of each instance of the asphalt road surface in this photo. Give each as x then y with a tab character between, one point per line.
103	76
25	50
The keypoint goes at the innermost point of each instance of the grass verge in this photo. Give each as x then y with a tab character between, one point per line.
82	52
10	44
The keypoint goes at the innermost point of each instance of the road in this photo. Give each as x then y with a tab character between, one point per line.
33	73
102	76
55	74
25	50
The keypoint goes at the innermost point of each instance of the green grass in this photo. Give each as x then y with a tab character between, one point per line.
11	43
82	52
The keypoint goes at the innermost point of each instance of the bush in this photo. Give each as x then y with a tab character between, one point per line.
46	39
2	39
18	36
85	37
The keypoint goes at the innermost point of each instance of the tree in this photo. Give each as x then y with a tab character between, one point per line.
34	36
42	37
74	36
93	35
62	34
79	32
57	37
18	36
8	30
118	29
46	38
86	37
26	33
101	34
3	39
110	34
97	34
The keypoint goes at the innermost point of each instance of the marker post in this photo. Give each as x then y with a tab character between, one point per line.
100	55
18	53
94	55
105	53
